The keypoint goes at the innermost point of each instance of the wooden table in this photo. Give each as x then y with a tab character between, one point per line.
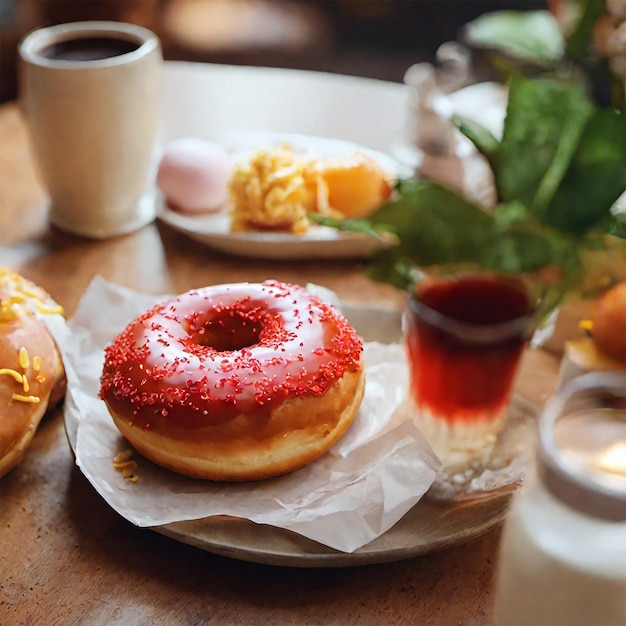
67	558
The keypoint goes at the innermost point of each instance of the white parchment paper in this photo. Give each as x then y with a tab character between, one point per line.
354	493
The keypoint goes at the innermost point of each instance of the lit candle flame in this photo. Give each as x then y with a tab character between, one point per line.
613	459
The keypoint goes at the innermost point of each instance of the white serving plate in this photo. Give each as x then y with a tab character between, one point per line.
319	242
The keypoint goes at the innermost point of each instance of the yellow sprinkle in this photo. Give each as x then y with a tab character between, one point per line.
49	310
9	372
30	294
40	378
123	456
31	399
129	466
25	384
585	325
24	358
21	293
122	462
36	363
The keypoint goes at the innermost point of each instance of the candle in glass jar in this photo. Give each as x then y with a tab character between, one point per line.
593	442
613	459
563	554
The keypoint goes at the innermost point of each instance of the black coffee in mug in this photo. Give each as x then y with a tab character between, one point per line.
88	48
91	92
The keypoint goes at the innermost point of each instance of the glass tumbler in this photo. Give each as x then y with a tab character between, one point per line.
465	335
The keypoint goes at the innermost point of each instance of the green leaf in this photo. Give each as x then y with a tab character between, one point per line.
571	133
386	267
506	214
544	121
531	36
527	247
578	43
484	141
596	177
617	226
382	232
435	225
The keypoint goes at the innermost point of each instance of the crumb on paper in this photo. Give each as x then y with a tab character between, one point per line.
124	463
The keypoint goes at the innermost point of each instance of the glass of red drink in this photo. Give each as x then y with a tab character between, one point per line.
465	335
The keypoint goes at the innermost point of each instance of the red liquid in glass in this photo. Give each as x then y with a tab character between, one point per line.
457	374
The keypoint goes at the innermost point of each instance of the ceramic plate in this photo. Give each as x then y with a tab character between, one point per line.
319	242
430	525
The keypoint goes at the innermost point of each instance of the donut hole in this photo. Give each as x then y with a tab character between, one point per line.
227	331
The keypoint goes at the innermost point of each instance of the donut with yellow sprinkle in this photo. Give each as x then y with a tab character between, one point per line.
32	377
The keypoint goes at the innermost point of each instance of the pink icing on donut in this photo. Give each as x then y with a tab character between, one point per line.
214	353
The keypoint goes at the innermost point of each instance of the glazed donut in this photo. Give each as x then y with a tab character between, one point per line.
31	371
235	382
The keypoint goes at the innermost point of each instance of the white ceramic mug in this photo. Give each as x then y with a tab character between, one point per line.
91	93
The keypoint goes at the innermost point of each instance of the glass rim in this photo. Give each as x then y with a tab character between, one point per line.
474	331
566	480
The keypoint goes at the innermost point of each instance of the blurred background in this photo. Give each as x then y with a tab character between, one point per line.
371	38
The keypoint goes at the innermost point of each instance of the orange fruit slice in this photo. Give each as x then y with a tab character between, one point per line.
356	184
608	317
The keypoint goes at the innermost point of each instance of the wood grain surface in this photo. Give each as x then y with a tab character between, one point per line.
67	558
